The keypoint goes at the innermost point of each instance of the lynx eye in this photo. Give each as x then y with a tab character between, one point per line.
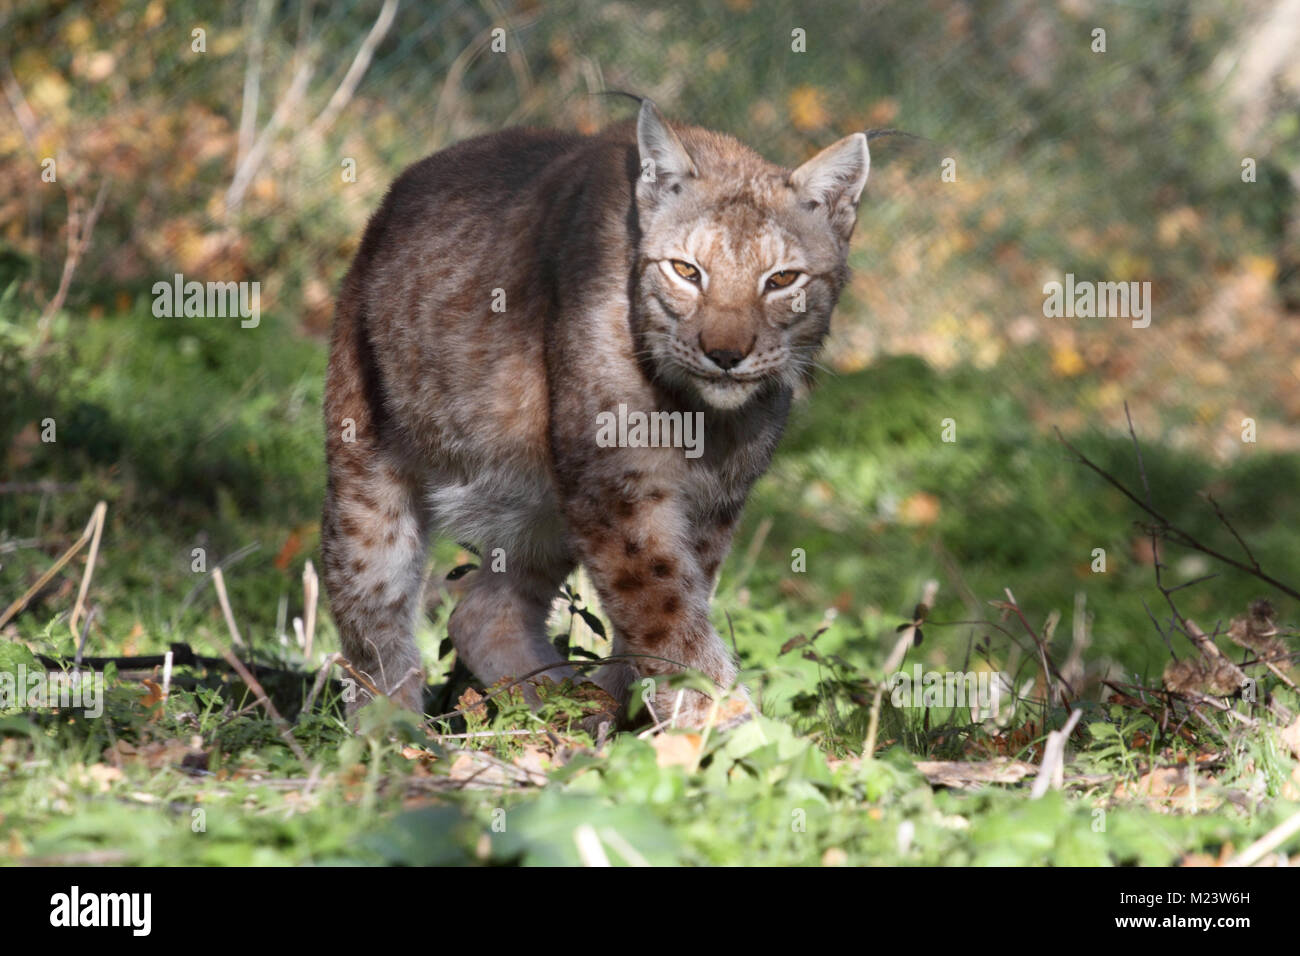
686	271
780	280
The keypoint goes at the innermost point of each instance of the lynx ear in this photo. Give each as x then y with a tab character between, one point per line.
835	178
664	160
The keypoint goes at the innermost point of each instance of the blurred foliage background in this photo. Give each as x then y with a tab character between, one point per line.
227	163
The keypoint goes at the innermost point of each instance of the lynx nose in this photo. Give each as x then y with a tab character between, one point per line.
724	358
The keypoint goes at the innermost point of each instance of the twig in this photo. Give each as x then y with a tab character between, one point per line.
1051	773
246	170
21	602
78	239
895	660
228	561
360	63
361	678
219	582
286	731
97	520
1232	530
27	122
1164	528
1049	666
252	78
474	735
311	593
167	673
81	644
751	553
316	687
1269	842
42	487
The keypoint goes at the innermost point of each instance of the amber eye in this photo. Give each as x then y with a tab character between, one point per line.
779	280
686	271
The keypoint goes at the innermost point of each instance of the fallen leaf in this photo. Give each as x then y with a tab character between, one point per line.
1290	736
677	750
104	775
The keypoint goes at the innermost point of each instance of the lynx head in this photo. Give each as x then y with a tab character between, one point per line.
741	261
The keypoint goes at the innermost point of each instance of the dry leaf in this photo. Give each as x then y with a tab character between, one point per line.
677	750
153	695
104	775
471	703
964	775
1290	737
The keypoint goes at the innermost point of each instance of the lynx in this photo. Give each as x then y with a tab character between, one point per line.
511	294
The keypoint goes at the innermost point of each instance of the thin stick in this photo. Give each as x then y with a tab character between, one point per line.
1177	535
590	851
44	579
677	708
895	660
252	80
522	732
167	674
226	562
247	169
361	678
1223	519
319	683
43	487
286	731
81	644
78	239
311	593
1269	842
1049	666
27	121
360	63
97	522
219	582
1051	771
755	546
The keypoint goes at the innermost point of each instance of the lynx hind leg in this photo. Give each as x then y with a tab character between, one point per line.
499	625
373	533
373	541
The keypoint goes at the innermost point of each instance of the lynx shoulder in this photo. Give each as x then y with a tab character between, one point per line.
561	350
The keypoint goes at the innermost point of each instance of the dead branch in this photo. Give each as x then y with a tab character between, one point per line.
906	637
360	64
1167	530
79	231
286	731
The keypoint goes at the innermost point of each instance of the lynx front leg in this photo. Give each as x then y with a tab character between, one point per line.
654	573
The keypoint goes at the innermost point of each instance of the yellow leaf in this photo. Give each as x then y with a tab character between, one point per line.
1066	361
921	508
677	750
807	108
1261	267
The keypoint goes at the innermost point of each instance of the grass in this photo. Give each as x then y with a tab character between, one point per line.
196	442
